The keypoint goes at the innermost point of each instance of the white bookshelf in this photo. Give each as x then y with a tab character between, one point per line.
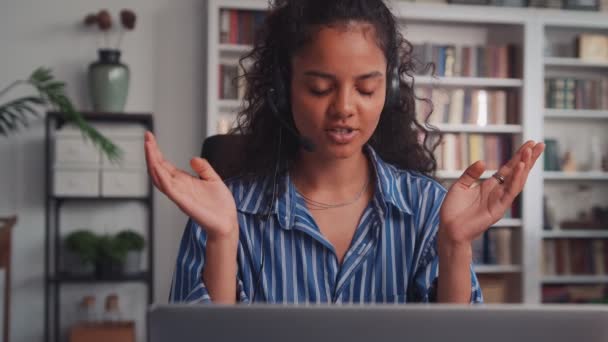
572	192
462	24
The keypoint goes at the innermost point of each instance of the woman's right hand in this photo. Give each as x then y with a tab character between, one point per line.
206	200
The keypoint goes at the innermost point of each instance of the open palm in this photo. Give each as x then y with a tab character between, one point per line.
206	200
469	209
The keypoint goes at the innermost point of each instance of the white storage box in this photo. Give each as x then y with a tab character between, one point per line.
133	153
72	148
76	181
124	182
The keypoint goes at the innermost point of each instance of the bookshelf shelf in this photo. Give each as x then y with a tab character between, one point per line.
229	104
576	114
470	128
489	269
235	48
575	176
573	62
508	222
575	279
455	174
484	82
576	234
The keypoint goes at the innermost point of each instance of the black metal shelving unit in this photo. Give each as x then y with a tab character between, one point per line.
54	277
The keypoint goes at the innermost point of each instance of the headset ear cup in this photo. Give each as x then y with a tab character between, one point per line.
392	89
280	91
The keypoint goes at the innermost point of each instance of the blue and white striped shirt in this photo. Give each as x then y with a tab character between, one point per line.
391	259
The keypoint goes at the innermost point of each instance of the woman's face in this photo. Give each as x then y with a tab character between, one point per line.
338	89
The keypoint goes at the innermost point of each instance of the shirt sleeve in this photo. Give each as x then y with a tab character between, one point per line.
423	286
188	285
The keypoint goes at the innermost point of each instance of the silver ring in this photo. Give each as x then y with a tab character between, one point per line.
500	178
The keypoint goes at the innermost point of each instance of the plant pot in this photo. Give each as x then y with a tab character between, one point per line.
74	265
108	82
133	262
108	269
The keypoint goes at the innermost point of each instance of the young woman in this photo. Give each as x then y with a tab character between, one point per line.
335	202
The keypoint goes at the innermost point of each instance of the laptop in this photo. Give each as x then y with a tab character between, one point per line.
411	322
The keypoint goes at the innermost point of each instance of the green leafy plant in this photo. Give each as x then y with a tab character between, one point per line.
111	249
131	240
18	112
84	244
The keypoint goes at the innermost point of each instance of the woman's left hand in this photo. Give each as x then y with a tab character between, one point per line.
470	209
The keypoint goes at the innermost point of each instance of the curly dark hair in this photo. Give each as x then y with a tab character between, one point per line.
287	28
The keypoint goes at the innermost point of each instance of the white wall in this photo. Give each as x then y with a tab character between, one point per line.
165	54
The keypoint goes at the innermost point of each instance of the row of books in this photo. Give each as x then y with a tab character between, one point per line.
229	81
493	247
459	150
239	26
588	294
500	61
466	106
575	257
572	93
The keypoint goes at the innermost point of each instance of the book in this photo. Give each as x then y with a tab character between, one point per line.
548	260
502	241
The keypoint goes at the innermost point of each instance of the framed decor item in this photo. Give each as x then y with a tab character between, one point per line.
583	5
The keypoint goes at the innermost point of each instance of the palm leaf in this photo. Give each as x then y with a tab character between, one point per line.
52	94
17	113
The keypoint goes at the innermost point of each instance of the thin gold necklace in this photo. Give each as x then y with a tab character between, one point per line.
316	205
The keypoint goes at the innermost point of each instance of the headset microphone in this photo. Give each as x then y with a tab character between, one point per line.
305	142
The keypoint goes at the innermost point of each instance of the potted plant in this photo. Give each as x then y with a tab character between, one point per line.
111	257
81	252
134	243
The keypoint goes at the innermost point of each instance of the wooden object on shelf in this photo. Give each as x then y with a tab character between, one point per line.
592	47
103	332
6	227
494	288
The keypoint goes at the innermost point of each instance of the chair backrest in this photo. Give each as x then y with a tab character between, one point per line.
223	152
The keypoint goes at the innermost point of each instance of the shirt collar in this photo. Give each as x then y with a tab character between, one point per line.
389	191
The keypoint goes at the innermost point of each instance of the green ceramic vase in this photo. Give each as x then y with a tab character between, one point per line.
108	82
